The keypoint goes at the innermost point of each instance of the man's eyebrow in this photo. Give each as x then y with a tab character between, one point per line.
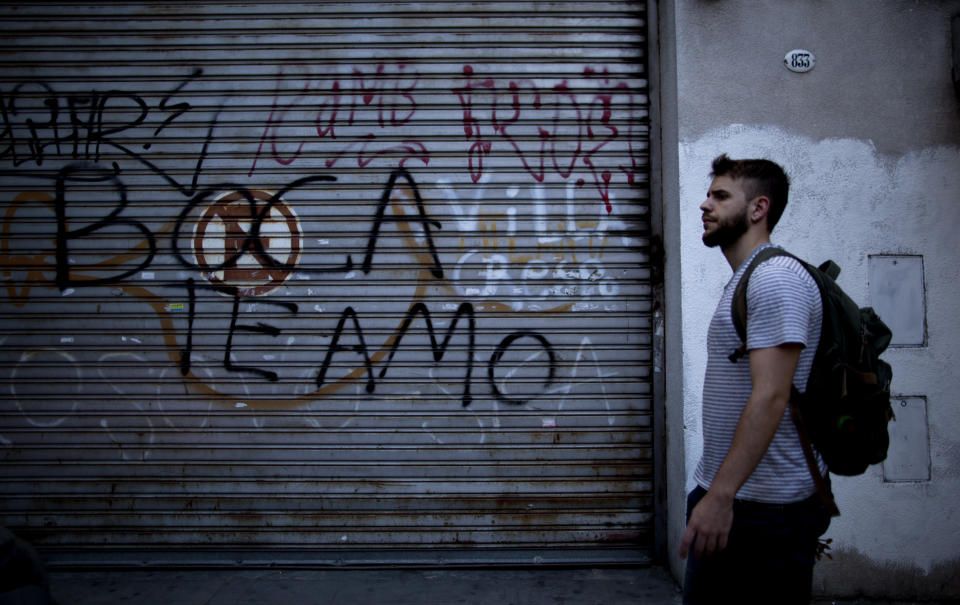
718	191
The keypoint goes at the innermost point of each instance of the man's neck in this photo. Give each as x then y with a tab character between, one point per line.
741	249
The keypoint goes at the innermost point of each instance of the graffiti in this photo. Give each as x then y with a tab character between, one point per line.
221	234
538	282
422	218
557	129
350	323
578	130
156	414
23	381
354	112
90	174
239	207
223	271
504	346
235	292
39	124
472	128
543	281
418	309
259	328
465	309
238	243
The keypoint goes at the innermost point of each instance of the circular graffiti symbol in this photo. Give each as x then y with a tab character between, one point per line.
245	245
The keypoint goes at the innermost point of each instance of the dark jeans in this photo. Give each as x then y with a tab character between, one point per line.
769	556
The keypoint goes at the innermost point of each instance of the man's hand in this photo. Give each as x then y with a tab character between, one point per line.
709	526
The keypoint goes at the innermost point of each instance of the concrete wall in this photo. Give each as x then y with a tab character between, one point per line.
870	139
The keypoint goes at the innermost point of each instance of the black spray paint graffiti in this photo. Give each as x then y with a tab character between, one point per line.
253	243
350	321
83	174
37	124
86	174
90	174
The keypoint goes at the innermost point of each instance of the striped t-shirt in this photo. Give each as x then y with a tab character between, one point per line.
783	306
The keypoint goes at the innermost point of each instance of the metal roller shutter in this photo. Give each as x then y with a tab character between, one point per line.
334	276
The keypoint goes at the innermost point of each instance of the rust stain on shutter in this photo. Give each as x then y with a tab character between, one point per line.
328	275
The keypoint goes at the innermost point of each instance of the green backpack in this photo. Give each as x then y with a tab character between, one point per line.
845	409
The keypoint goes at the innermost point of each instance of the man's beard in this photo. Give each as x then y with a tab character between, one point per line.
727	231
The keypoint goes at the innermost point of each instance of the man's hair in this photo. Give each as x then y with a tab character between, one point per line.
760	177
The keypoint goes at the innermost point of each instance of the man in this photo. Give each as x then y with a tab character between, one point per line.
755	518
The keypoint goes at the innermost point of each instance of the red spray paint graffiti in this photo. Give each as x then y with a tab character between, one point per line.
579	128
570	127
356	111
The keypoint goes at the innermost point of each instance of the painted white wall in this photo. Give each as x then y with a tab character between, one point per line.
876	187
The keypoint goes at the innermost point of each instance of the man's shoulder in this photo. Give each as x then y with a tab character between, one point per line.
783	282
783	304
781	269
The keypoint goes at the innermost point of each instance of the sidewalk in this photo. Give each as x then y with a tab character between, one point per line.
648	586
547	586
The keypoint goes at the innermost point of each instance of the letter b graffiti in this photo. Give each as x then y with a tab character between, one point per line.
89	179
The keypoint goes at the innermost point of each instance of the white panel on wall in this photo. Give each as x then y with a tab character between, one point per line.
908	458
897	295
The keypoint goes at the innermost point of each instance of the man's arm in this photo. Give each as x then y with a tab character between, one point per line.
771	374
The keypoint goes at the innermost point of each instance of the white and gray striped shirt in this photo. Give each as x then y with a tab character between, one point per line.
783	306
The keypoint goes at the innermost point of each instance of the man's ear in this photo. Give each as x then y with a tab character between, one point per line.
761	207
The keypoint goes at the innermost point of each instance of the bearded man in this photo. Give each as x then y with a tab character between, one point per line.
754	519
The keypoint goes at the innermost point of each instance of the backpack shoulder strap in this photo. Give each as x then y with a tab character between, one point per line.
739	312
738	305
